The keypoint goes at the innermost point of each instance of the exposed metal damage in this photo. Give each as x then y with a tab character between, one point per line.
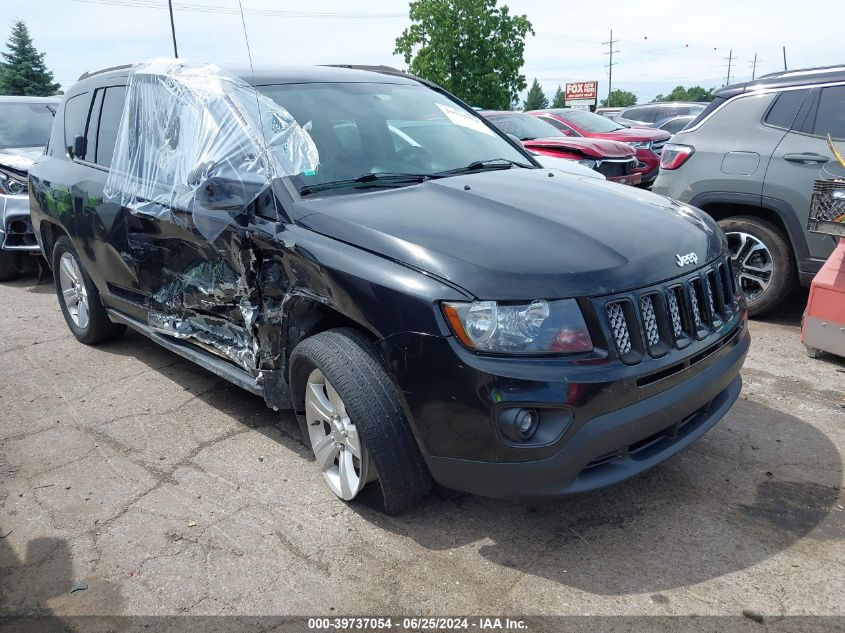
197	151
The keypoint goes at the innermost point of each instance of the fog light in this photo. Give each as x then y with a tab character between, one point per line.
518	425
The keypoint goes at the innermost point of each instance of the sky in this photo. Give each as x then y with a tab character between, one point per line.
661	43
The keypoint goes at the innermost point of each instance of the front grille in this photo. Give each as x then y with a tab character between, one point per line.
19	232
655	320
612	168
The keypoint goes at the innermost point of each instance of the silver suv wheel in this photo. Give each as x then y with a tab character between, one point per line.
337	445
752	262
74	294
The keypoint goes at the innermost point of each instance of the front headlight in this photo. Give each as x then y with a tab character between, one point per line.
11	186
588	162
640	144
538	327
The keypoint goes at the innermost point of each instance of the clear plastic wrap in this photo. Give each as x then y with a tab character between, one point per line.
195	138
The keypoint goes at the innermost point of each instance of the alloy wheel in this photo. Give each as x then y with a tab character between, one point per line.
74	294
340	453
752	263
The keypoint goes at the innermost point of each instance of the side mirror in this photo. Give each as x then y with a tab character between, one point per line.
78	149
515	139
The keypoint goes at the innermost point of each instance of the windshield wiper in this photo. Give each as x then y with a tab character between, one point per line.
484	165
377	179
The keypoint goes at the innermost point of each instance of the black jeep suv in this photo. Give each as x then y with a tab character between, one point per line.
366	250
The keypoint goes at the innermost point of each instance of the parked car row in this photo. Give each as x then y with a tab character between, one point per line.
366	250
648	144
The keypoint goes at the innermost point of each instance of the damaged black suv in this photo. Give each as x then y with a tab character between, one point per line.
364	249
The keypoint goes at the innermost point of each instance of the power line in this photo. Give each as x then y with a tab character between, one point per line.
202	8
610	65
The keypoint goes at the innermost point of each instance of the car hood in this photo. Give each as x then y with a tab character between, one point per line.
634	134
595	148
19	158
521	234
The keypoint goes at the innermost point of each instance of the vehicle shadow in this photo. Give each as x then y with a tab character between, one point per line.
790	311
45	574
732	500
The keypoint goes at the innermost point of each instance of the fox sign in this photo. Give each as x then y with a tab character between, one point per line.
581	93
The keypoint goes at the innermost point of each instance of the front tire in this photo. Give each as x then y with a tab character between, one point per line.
354	421
763	262
10	265
79	298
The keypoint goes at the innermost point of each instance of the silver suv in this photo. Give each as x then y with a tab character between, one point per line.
749	160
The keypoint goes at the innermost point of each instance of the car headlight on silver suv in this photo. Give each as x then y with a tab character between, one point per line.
10	185
536	327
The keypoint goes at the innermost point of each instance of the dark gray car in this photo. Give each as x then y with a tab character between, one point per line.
651	114
749	160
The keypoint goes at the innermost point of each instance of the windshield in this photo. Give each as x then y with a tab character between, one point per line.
524	126
25	124
589	122
374	128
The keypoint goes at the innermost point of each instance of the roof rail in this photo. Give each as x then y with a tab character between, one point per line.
780	73
87	74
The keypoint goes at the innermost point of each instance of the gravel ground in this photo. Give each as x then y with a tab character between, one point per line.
167	491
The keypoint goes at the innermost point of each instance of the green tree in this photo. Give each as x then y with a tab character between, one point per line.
619	99
559	100
472	48
695	93
535	99
23	72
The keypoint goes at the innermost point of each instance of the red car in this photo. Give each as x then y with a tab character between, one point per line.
648	142
615	161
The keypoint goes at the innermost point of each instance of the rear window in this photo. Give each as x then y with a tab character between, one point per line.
717	101
784	109
830	115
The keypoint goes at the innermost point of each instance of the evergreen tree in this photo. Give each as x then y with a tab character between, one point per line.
559	100
535	99
23	72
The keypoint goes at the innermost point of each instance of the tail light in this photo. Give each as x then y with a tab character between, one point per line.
675	155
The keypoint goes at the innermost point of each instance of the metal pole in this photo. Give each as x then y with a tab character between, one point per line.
730	59
754	68
173	29
610	69
784	57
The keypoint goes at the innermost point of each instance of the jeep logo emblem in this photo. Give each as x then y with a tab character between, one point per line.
686	260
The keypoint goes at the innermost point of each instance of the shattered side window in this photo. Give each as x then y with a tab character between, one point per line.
195	138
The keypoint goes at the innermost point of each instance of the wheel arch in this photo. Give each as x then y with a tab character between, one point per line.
722	205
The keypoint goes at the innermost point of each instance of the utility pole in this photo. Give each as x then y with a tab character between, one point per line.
730	60
784	58
172	28
610	52
754	68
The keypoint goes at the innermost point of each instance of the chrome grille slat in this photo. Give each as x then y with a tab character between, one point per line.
619	328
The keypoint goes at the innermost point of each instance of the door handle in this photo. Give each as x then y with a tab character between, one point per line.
808	157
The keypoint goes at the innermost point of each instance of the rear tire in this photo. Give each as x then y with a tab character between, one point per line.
763	261
79	299
10	265
349	362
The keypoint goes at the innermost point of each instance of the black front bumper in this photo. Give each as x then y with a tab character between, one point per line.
646	427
